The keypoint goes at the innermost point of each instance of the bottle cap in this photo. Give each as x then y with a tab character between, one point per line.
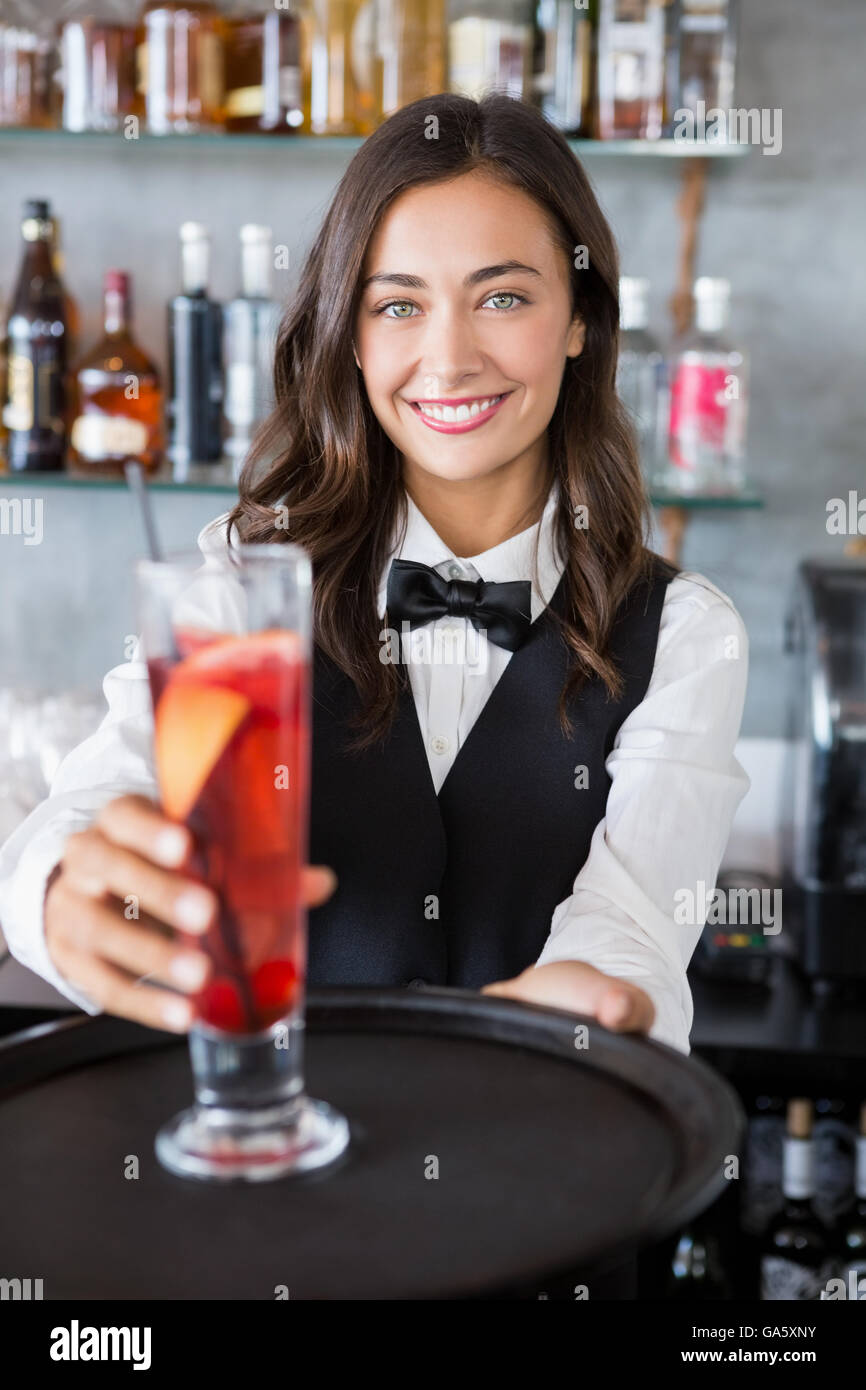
194	231
633	302
252	231
116	281
37	207
800	1118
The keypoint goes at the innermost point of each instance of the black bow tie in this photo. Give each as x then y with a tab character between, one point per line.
418	594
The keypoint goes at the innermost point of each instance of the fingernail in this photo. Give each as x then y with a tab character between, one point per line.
177	1014
189	970
170	846
193	910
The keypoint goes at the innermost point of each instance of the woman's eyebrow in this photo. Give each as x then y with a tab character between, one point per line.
475	277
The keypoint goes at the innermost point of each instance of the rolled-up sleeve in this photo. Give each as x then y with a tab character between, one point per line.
675	786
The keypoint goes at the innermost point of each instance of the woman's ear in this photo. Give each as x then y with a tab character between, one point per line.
576	338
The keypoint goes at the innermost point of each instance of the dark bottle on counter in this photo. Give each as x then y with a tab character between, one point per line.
696	1271
851	1250
34	405
116	394
794	1255
195	360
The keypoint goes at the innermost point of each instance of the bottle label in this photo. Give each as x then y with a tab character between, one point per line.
798	1168
860	1166
18	411
240	405
245	101
96	437
786	1281
289	86
704	418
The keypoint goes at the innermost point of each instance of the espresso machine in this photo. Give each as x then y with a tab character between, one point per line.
824	780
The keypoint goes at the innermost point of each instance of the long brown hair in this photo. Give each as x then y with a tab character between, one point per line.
335	485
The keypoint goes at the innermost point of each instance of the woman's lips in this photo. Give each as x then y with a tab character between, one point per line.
460	426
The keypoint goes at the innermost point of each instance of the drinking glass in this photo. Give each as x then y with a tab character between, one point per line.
227	645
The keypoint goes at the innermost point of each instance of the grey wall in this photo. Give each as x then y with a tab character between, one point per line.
787	230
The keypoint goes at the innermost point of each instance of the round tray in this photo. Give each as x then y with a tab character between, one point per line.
488	1152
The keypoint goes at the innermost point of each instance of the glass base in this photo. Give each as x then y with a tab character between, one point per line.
254	1146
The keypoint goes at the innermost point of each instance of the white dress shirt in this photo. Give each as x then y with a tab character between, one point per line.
675	780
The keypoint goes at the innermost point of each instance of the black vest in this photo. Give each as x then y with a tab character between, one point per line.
459	889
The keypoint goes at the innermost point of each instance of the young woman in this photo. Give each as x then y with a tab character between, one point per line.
451	452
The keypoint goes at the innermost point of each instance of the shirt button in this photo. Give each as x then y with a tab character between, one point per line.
440	744
454	571
417	983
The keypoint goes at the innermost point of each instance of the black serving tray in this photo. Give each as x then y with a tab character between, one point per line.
551	1158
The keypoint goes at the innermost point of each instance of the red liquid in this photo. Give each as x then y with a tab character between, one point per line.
249	823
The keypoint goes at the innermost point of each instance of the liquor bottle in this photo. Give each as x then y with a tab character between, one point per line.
696	1271
641	374
249	338
794	1258
71	310
411	50
180	81
709	401
97	74
27	66
263	68
116	395
563	65
490	48
341	85
34	408
852	1245
705	47
631	69
195	360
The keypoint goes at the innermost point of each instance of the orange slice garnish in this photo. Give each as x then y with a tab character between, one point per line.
193	725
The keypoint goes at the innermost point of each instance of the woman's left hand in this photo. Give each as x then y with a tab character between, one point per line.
580	988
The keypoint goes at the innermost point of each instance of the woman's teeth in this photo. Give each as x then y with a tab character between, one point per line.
453	413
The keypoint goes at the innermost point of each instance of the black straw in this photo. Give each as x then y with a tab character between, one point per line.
135	479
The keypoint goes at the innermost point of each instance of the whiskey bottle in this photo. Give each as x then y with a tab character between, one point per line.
195	360
632	53
34	406
263	68
794	1256
116	394
341	85
705	53
180	80
411	49
853	1224
249	338
564	65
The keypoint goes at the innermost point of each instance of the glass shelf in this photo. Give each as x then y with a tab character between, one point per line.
218	480
668	148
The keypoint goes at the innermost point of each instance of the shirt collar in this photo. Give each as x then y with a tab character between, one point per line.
511	559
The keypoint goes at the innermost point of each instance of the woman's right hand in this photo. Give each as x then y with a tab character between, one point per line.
133	860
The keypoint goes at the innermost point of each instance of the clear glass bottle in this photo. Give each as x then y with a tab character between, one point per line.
180	78
195	398
705	43
263	68
35	401
641	373
411	49
709	401
249	337
563	65
97	69
631	69
27	67
116	394
342	79
794	1263
490	47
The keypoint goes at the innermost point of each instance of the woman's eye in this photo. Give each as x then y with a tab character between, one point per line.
396	304
506	294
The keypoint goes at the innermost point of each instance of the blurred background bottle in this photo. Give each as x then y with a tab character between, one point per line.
341	77
27	65
563	65
263	68
116	397
411	50
632	54
35	406
794	1255
97	66
641	374
851	1245
249	338
180	79
194	412
709	400
704	54
490	47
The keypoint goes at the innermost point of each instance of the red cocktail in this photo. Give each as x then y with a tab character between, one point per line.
231	748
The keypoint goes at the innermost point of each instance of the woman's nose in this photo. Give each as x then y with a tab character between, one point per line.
450	350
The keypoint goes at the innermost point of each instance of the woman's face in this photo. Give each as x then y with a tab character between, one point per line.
465	301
